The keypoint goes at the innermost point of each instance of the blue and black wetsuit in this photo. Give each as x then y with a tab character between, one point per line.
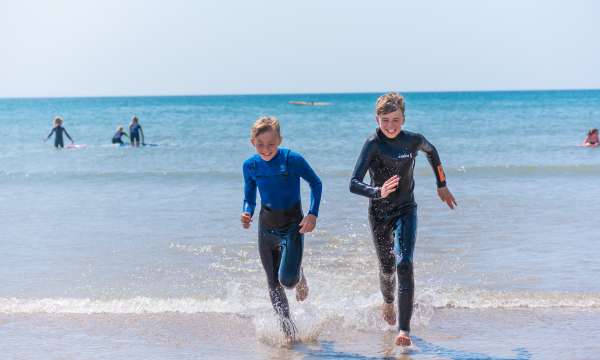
117	137
393	219
134	134
280	244
58	136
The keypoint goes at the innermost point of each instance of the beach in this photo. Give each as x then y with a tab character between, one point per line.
120	252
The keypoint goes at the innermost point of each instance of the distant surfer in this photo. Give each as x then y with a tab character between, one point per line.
135	132
276	172
116	139
58	130
389	156
591	140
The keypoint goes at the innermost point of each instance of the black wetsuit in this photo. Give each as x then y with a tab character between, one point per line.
117	137
280	244
58	136
134	134
393	219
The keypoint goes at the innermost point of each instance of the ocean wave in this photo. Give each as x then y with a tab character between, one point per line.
507	170
461	299
482	299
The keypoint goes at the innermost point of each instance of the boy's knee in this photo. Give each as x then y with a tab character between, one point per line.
289	281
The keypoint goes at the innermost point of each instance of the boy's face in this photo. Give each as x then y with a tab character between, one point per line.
266	144
391	123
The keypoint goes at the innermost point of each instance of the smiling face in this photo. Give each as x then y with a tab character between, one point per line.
391	123
266	144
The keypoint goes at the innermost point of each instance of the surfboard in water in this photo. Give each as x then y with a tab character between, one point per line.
76	146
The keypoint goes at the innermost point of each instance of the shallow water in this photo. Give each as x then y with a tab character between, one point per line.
120	252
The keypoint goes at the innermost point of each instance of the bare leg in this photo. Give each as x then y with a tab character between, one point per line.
302	288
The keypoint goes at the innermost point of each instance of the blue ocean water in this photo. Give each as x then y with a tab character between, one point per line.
107	234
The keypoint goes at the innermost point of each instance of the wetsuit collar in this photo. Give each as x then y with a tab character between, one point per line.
382	136
279	150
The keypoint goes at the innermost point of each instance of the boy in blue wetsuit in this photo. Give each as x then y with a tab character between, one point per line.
389	156
277	172
58	132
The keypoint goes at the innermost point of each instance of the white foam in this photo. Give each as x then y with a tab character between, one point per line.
362	311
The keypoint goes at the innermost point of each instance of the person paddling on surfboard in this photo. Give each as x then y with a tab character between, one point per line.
389	156
276	172
58	132
591	140
116	139
135	130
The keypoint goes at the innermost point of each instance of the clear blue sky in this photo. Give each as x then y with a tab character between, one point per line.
131	47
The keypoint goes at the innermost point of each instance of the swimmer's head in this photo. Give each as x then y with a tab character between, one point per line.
119	128
265	136
58	121
134	120
390	114
593	131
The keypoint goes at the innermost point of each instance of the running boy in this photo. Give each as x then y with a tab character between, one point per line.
277	172
389	156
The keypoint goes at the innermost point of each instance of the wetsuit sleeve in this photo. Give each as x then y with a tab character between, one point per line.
316	187
357	186
434	160
249	190
66	133
142	132
51	132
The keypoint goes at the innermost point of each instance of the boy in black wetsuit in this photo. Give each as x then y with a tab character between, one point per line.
58	131
389	156
135	129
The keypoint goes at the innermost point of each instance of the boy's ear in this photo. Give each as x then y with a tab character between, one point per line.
252	142
377	119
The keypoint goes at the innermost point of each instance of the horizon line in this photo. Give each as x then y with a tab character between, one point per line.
296	93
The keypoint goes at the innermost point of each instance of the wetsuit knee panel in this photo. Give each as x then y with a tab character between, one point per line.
405	268
289	281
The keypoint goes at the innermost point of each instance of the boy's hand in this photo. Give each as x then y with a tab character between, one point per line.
246	219
447	197
389	186
308	224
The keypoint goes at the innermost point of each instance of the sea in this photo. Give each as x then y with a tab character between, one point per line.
110	252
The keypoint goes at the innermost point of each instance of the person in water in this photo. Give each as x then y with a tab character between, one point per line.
389	156
118	135
281	225
135	130
58	130
591	140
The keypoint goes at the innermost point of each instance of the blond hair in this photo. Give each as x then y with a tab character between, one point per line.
58	121
389	103
264	124
119	128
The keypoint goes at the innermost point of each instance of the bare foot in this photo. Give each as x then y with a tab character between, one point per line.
403	339
302	289
389	314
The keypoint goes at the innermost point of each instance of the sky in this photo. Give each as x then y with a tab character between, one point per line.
178	47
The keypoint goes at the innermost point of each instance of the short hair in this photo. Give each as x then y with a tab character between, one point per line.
389	103
592	131
58	120
264	124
